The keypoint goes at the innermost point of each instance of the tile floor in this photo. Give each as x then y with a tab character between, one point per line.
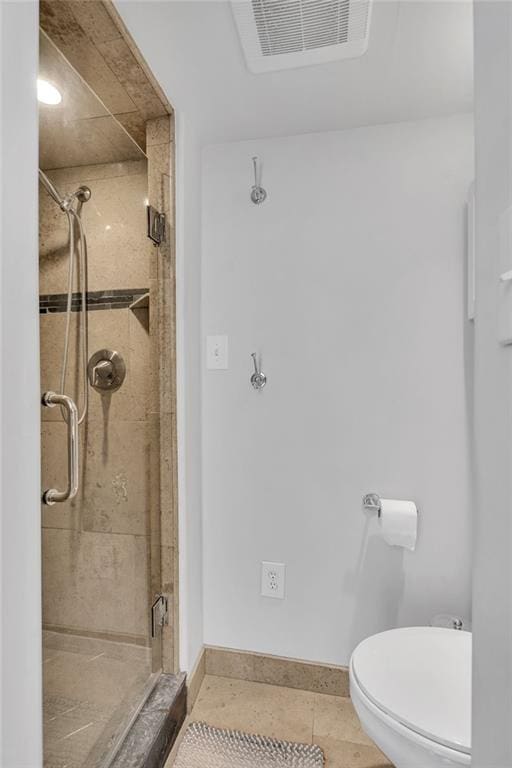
289	714
89	688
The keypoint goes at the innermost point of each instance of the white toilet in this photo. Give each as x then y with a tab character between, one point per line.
412	691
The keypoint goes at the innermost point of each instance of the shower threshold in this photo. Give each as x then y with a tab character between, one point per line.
153	732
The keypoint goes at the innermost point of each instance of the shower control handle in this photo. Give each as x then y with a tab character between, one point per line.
52	495
103	373
106	370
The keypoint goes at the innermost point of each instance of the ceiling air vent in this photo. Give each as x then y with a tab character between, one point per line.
282	34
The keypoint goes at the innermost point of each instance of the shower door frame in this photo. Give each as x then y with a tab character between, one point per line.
162	300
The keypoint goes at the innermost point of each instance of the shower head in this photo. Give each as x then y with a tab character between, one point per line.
82	194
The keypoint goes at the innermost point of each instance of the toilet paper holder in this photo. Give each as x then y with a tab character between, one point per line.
371	502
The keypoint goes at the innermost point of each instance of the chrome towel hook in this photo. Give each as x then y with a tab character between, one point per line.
258	194
258	379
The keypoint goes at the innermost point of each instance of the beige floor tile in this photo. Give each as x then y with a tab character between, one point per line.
288	714
100	681
87	694
336	718
72	751
345	754
272	711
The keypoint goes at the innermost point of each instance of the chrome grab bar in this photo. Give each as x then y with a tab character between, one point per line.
52	495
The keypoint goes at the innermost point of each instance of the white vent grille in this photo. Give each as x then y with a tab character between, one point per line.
281	34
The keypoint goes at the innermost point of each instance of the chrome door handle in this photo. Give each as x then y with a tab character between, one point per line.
52	495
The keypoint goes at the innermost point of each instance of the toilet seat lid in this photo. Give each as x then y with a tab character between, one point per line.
421	677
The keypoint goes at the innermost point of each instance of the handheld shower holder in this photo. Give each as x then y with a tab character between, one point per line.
82	194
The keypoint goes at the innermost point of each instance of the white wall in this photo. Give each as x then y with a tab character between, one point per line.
20	525
137	16
148	23
492	581
349	282
188	272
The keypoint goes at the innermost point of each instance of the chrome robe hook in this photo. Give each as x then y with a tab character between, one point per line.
258	379
258	194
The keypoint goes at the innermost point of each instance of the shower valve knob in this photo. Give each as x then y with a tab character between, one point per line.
103	373
106	370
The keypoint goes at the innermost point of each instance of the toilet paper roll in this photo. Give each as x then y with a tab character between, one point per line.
399	523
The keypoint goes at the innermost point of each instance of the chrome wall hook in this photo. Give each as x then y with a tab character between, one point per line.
258	379
258	194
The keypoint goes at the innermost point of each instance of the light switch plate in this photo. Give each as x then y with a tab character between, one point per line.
505	286
217	353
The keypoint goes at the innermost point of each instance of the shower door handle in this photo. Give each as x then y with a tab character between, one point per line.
52	495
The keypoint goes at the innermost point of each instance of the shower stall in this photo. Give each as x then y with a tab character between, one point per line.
108	431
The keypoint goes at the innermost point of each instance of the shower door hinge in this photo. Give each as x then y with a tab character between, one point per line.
159	613
156	225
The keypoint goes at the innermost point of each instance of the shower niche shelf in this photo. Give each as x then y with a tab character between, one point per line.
140	302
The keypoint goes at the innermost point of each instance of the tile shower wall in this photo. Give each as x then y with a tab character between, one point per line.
115	219
96	548
160	152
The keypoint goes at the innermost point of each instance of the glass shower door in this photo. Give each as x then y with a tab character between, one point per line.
99	577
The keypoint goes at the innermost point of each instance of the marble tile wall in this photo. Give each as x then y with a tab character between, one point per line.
96	548
114	219
94	40
160	152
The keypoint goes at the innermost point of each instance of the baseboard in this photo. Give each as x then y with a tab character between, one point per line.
273	670
195	679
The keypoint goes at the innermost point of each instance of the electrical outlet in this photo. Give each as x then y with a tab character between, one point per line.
272	580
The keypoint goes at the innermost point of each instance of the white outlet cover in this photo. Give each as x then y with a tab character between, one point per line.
217	353
272	579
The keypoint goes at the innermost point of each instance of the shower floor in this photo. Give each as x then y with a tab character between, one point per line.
90	688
